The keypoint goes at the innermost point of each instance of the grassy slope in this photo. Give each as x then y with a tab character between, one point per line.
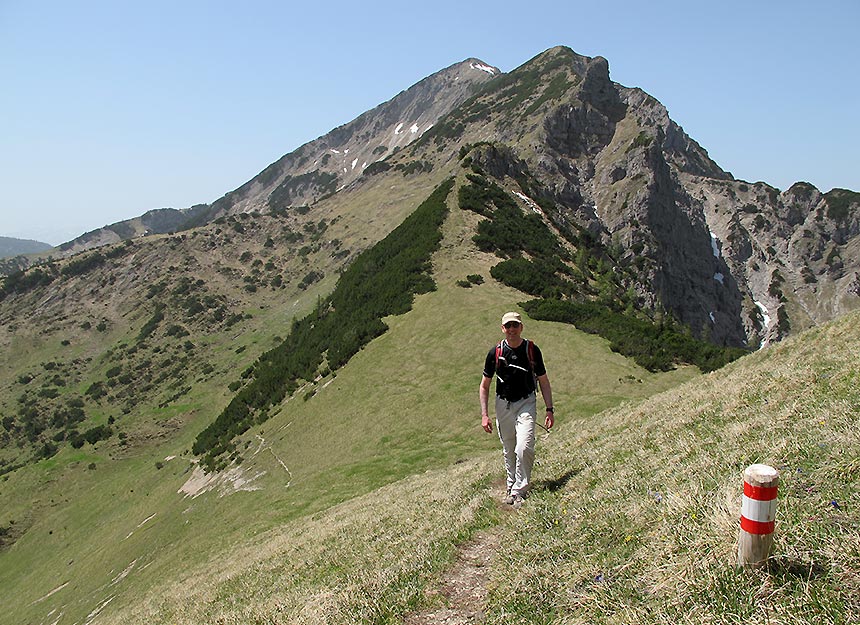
75	520
634	518
406	404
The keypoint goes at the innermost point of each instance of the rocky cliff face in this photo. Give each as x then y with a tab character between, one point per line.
611	161
793	252
739	263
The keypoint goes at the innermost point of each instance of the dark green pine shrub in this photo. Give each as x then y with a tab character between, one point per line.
654	346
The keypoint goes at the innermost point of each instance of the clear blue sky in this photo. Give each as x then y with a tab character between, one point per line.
111	108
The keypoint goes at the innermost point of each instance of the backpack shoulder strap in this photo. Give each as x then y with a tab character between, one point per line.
498	354
530	350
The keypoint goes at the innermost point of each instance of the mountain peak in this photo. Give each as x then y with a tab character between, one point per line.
338	158
559	55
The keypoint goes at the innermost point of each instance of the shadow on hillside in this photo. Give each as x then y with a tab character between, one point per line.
556	484
792	567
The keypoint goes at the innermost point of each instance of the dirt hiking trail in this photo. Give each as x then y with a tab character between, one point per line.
464	586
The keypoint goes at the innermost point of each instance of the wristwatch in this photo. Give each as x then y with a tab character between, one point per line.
549	409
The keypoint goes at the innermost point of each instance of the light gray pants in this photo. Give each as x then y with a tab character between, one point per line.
516	424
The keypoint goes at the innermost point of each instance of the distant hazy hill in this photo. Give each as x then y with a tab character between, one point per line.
13	247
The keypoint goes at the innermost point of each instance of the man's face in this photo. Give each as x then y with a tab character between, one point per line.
512	329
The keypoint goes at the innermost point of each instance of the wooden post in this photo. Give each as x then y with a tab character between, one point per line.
758	514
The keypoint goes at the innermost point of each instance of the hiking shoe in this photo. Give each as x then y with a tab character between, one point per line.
517	501
508	499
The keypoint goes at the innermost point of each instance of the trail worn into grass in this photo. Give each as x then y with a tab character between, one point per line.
464	587
461	597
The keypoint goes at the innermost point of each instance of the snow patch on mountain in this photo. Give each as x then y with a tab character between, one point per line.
484	68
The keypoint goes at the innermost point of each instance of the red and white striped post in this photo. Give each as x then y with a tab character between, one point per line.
758	515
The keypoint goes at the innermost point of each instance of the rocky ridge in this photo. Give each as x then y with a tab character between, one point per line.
739	263
337	159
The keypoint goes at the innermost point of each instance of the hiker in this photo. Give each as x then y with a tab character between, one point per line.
518	364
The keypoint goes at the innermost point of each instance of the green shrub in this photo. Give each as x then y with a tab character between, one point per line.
22	282
96	390
506	231
413	167
91	436
316	182
309	279
82	265
376	168
535	277
471	279
150	326
642	140
48	450
654	346
176	331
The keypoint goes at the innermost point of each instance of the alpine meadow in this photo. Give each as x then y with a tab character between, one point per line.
265	409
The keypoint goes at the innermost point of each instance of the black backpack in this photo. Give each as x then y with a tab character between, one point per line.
530	350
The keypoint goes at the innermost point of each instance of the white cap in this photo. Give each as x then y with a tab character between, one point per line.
511	316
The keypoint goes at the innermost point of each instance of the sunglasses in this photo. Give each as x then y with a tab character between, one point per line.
512	324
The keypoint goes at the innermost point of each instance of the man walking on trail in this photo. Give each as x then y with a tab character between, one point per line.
518	365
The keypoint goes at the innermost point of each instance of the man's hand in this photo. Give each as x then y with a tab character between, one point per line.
486	424
550	420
